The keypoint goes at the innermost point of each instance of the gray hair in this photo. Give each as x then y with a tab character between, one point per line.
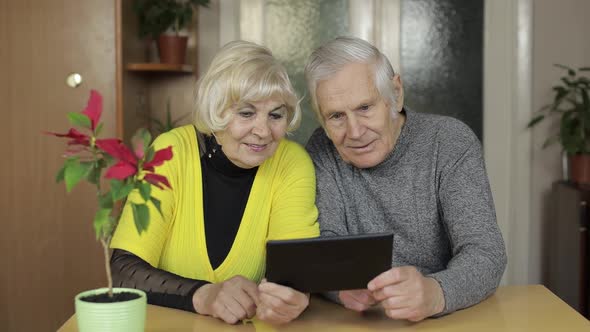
331	57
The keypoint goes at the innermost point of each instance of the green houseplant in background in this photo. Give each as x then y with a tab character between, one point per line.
571	103
111	309
159	127
157	17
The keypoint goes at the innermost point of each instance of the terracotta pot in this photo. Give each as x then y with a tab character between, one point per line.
579	165
172	49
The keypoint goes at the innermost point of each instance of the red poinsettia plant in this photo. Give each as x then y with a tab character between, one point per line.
127	169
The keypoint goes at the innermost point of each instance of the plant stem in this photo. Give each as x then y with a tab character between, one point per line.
107	264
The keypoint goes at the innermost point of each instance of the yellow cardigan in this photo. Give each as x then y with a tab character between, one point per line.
281	205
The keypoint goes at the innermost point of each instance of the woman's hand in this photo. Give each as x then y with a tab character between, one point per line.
231	301
279	304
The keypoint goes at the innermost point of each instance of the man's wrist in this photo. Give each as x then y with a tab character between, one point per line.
438	296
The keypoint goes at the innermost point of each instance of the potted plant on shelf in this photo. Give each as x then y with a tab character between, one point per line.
572	104
163	21
112	309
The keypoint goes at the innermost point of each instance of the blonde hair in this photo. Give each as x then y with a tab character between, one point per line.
242	72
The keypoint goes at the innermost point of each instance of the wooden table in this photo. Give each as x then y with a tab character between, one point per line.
511	308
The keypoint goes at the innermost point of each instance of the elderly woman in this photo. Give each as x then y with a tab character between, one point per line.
237	182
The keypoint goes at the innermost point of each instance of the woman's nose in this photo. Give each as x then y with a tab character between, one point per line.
261	128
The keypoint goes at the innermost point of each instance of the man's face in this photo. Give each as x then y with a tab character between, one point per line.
356	118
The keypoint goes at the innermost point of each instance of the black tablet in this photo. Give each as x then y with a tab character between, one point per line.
328	263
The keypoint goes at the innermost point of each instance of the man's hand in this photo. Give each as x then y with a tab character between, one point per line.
231	301
279	304
405	293
357	299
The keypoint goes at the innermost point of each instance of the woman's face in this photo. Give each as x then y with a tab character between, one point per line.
253	132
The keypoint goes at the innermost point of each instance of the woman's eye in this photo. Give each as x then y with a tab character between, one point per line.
246	114
276	116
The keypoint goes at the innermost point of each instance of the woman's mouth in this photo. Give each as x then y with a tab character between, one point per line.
256	147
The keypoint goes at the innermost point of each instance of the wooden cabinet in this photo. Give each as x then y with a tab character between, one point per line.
145	87
567	244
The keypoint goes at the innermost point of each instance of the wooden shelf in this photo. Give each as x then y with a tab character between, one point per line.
159	67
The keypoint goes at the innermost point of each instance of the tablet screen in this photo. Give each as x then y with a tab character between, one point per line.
328	263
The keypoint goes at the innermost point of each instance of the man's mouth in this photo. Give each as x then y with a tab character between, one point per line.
361	148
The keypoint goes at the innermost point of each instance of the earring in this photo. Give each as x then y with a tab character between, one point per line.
212	144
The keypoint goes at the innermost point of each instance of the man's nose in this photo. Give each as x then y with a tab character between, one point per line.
354	129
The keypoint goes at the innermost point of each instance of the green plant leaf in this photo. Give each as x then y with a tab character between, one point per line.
120	189
535	120
94	172
150	154
59	177
585	101
156	125
79	120
145	189
157	204
569	133
141	217
101	222
204	3
570	71
98	129
105	200
567	82
169	123
74	172
560	92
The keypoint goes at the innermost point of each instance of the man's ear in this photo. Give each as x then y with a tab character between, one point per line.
398	91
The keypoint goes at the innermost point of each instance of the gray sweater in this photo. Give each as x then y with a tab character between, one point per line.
432	192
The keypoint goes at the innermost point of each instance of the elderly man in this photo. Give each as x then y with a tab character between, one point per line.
382	167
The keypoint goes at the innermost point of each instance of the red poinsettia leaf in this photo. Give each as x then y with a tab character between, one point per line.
120	171
156	180
159	158
117	150
72	133
94	108
73	150
76	136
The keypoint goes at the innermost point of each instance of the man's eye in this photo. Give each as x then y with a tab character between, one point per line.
336	116
364	107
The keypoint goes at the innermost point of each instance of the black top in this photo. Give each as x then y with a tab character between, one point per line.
226	188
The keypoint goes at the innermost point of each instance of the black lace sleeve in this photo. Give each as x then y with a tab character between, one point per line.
162	288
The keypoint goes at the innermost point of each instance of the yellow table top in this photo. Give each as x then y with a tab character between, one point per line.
511	308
